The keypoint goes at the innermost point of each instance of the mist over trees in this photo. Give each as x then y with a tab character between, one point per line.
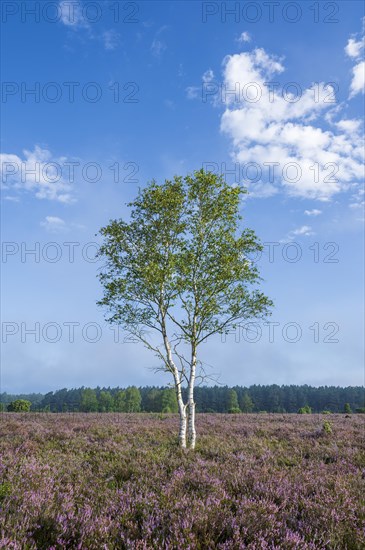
216	399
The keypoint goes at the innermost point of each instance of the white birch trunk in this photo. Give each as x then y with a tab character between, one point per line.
180	401
182	414
191	403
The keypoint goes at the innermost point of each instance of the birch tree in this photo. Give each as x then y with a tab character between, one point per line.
178	272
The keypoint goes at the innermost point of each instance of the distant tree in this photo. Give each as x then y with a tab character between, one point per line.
19	405
119	401
347	408
106	402
89	401
179	271
305	410
2	407
153	400
132	399
169	401
232	402
246	403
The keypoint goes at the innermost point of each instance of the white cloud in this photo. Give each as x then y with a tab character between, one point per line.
208	76
314	212
305	230
11	198
244	37
302	231
192	92
353	48
349	126
38	172
157	47
71	14
110	39
358	79
267	127
53	224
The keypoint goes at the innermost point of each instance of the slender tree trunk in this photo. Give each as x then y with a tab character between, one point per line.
180	401
191	403
183	419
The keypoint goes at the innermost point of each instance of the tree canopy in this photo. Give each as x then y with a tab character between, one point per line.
180	269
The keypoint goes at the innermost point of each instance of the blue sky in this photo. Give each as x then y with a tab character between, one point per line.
164	88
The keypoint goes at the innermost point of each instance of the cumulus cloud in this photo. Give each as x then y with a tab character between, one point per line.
314	212
281	132
53	224
354	49
244	37
350	126
38	172
358	79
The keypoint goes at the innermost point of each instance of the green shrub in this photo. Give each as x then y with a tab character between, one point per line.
19	405
305	410
234	410
327	427
4	490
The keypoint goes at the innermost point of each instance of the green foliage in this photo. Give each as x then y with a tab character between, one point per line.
347	408
119	401
183	248
2	407
327	427
19	405
169	401
246	403
5	490
89	401
133	399
214	398
305	410
106	402
232	402
360	410
128	400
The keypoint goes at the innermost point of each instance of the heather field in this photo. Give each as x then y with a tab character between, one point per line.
104	481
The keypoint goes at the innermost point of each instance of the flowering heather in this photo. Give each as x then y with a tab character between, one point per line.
105	481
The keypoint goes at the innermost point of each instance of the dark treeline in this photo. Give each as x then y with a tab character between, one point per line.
220	399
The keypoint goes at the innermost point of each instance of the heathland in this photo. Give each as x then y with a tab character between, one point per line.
115	480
